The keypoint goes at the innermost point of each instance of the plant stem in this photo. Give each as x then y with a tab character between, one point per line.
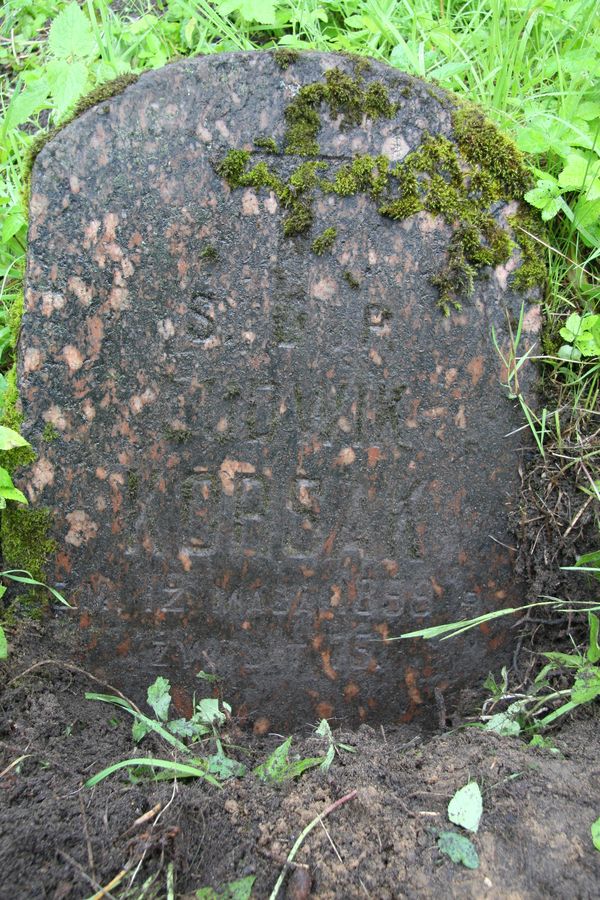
351	796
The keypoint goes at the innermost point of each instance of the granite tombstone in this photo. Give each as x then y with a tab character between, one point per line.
259	306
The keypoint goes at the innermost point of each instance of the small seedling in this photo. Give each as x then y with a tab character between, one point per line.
233	890
278	768
459	848
323	730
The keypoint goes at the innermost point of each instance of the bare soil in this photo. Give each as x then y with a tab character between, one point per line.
61	840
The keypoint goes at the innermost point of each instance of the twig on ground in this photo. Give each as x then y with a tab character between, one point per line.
14	763
91	881
87	837
143	819
346	799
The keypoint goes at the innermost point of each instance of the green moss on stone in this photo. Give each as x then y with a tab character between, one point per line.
50	433
345	96
25	539
262	142
456	180
482	144
351	278
98	95
209	253
285	58
325	241
532	271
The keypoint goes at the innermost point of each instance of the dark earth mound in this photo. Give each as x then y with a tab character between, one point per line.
61	840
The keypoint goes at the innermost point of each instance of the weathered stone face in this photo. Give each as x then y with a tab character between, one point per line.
268	461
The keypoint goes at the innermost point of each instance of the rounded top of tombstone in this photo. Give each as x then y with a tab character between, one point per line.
261	289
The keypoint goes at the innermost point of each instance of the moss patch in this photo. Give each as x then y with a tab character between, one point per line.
285	58
345	95
458	180
26	544
98	95
325	241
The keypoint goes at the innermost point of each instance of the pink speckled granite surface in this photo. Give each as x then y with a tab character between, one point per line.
262	471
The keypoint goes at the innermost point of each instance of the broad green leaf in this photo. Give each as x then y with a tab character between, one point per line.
10	439
262	11
593	653
568	353
587	685
3	644
12	224
223	768
67	82
504	724
274	766
586	212
234	890
13	493
70	35
209	712
459	848
25	103
139	730
595	829
532	140
466	807
588	110
159	697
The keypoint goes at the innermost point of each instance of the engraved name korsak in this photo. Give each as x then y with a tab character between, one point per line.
281	432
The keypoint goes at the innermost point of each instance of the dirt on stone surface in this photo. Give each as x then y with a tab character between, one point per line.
62	840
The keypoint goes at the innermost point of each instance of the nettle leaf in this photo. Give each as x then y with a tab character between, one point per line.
504	724
67	81
593	653
466	807
159	697
587	685
581	173
223	768
571	329
277	768
209	712
546	196
262	11
25	103
10	439
459	848
595	829
139	730
71	36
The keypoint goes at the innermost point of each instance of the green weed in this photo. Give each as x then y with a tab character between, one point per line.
209	717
